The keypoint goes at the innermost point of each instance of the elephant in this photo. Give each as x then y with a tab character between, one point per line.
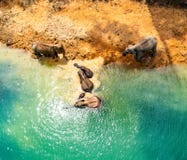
90	101
48	50
87	71
86	84
147	44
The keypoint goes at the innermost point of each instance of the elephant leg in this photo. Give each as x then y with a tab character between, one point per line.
64	56
138	55
55	54
38	54
153	52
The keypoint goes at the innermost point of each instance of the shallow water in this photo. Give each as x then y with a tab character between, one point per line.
144	113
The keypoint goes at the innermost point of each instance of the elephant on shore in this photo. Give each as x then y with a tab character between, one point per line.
90	101
48	50
146	45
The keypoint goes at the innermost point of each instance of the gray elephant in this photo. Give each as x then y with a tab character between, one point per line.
86	84
87	71
88	100
147	44
47	50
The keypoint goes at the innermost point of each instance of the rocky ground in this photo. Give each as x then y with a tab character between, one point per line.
97	29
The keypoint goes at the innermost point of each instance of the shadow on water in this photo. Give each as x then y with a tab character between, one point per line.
162	132
7	99
10	149
158	104
161	107
8	95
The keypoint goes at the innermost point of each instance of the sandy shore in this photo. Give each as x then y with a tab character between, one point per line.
104	30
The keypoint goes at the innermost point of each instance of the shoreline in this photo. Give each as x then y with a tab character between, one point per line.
66	72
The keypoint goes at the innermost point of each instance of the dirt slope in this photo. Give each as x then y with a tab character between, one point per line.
89	29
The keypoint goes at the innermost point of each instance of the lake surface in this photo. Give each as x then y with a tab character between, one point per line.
144	113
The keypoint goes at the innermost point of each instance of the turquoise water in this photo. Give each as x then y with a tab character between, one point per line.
144	114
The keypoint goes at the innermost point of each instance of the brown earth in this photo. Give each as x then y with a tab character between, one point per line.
91	29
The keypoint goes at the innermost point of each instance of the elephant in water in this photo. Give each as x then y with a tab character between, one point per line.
86	84
47	50
87	71
88	100
147	44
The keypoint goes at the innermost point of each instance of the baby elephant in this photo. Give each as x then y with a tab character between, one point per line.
90	101
86	70
86	84
47	50
147	44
